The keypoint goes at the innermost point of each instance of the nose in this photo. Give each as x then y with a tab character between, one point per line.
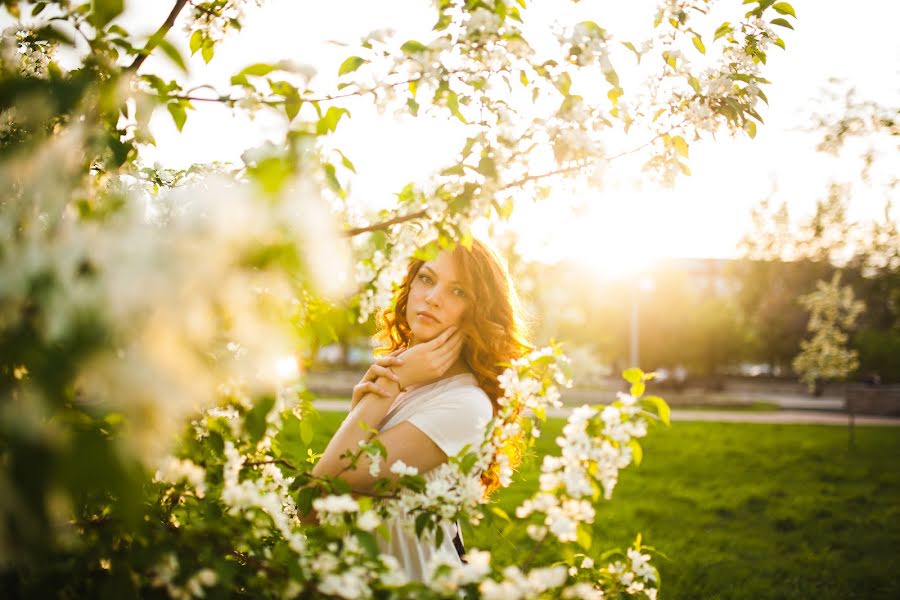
433	297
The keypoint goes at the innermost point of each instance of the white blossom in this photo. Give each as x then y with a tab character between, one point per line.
401	468
174	470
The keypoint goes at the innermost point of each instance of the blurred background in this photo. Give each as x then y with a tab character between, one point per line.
700	281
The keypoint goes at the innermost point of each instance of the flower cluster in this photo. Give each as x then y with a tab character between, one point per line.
174	470
23	51
267	493
634	575
596	444
344	568
165	572
447	577
215	18
586	44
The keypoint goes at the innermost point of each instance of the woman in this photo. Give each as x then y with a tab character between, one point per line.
434	387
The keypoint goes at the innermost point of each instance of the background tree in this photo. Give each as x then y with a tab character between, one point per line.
833	311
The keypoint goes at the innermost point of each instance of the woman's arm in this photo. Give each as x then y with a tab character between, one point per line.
421	363
366	415
403	442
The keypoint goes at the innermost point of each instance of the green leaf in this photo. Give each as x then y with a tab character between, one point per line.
633	375
662	408
487	167
270	173
196	41
332	180
105	11
367	541
413	47
614	94
637	389
453	105
307	429
680	145
292	106
443	22
698	44
468	462
258	69
670	60
631	47
723	29
255	420
173	53
612	77
636	451
207	50
329	121
501	513
784	8
751	129
583	536
505	210
305	499
694	83
346	162
421	521
179	115
563	83
782	23
351	64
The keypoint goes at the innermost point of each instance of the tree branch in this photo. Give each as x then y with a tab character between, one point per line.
580	166
385	224
154	40
232	100
517	183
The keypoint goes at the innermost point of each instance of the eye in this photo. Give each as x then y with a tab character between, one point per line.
459	292
425	279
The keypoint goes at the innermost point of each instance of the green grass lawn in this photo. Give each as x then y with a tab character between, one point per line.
746	510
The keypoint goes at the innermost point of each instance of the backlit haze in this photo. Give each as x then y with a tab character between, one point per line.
619	225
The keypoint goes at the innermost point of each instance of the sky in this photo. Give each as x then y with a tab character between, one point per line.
620	226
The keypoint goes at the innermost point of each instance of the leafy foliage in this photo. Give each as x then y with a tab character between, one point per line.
156	436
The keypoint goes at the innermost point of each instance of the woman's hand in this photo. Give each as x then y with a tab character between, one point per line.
425	362
369	383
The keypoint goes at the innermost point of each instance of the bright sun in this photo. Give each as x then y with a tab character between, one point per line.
615	235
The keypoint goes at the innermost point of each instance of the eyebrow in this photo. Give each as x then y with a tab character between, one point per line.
436	276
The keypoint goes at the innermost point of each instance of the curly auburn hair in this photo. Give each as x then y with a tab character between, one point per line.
493	326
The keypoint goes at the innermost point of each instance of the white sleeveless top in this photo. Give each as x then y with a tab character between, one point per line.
453	412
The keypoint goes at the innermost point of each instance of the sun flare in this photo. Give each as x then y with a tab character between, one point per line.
613	239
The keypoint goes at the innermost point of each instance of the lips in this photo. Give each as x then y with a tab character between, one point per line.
424	314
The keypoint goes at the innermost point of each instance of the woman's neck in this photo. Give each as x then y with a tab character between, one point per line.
457	368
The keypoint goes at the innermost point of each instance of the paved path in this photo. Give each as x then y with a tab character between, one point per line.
788	417
577	397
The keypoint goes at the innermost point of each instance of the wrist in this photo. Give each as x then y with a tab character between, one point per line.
402	377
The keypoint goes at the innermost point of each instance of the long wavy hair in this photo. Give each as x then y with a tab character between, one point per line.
493	326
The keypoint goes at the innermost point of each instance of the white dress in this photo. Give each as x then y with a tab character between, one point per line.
453	412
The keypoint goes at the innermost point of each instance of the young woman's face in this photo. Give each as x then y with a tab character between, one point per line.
437	299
